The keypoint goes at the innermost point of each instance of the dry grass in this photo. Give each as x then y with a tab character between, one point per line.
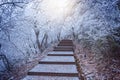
96	66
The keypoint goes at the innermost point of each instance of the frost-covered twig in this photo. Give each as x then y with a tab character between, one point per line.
11	3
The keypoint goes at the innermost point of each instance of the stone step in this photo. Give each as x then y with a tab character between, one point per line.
54	70
58	63
66	40
63	50
49	78
61	53
59	59
53	74
65	44
63	47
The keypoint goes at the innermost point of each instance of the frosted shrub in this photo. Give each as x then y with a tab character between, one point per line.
114	42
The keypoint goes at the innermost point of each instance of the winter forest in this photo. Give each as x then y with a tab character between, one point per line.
31	28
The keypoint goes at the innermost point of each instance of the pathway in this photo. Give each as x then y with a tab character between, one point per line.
58	65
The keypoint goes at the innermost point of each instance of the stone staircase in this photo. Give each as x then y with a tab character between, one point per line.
58	65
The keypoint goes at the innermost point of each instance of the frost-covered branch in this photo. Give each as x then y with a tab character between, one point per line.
5	60
11	3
